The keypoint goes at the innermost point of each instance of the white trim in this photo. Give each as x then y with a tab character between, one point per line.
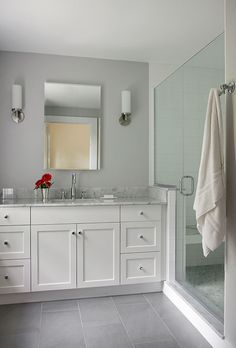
196	320
70	294
151	136
170	235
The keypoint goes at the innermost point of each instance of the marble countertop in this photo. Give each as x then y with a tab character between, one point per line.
79	202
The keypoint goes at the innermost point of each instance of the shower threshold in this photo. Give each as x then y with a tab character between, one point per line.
214	322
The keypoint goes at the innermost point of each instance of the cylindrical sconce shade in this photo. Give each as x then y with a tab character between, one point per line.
16	97
126	102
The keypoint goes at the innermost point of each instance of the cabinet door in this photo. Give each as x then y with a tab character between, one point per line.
53	250
98	249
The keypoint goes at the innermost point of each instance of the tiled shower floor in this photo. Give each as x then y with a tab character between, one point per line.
141	321
207	282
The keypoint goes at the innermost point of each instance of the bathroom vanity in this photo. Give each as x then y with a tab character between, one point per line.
80	244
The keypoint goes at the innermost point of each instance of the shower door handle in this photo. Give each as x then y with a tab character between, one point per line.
181	187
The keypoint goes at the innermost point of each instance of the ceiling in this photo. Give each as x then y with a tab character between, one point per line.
168	31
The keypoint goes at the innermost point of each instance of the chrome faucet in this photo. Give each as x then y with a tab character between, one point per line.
73	186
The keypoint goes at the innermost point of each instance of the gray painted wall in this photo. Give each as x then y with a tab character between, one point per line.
124	150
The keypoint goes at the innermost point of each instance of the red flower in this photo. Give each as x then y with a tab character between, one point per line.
46	177
38	183
44	182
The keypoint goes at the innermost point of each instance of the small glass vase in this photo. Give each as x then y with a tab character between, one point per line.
45	194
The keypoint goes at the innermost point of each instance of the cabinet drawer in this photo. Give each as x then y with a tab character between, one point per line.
140	213
140	268
14	276
140	236
14	242
60	215
14	216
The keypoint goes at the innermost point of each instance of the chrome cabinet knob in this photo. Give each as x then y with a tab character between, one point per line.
6	217
140	268
141	236
141	213
80	232
6	277
73	233
5	242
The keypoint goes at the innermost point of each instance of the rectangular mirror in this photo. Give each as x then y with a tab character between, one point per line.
72	128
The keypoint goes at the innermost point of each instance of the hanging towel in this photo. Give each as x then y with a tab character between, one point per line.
210	199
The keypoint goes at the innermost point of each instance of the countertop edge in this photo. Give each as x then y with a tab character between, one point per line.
120	202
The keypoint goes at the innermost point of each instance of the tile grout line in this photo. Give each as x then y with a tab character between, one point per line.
164	323
122	323
82	325
40	324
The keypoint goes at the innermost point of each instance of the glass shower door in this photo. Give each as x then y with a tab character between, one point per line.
180	109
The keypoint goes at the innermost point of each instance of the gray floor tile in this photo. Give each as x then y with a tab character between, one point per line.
162	305
98	311
142	323
61	329
184	332
20	318
160	344
139	298
110	336
28	340
55	306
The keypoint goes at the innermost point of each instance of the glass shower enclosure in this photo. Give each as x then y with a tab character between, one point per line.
180	109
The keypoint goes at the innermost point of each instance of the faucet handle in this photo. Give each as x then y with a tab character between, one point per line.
83	194
63	194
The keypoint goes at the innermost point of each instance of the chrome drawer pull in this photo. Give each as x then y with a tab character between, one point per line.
141	236
5	242
141	213
6	217
140	268
6	277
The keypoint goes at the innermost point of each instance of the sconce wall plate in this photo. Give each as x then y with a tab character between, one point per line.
17	115
125	118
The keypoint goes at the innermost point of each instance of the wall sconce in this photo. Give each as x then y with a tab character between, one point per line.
17	114
125	117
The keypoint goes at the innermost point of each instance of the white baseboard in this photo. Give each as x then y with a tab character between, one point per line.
80	293
196	320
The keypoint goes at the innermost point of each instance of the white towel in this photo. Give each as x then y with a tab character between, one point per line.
210	204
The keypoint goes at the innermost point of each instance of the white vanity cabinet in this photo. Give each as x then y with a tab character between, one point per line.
50	247
78	254
14	250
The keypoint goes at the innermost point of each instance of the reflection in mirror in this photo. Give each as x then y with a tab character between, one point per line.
71	141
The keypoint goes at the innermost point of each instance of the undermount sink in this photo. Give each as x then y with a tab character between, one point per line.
69	200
